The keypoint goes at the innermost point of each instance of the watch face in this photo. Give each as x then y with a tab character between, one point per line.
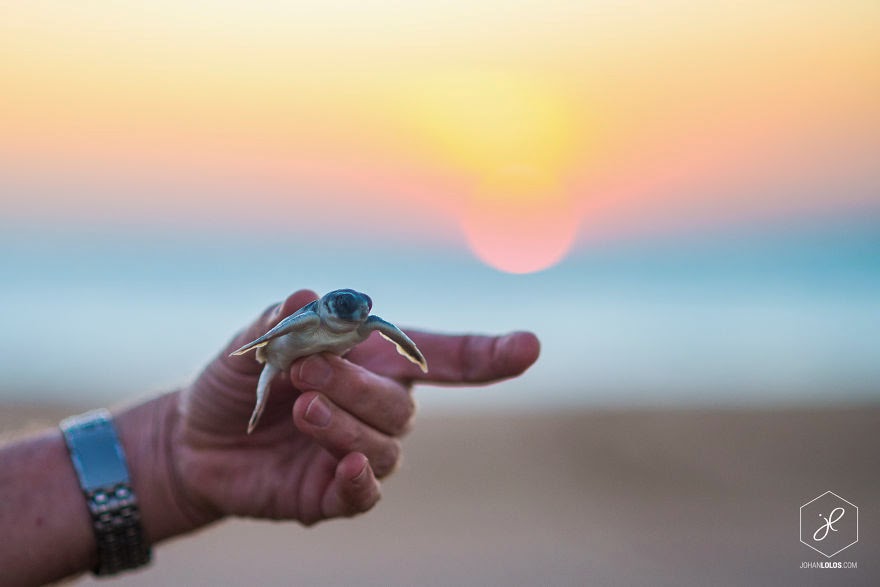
95	450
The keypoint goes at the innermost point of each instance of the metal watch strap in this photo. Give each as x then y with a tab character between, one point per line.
99	461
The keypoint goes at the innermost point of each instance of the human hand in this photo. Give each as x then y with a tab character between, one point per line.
330	429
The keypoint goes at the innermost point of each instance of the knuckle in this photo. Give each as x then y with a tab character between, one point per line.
347	380
358	497
469	357
407	427
356	379
368	500
387	460
349	437
372	501
402	414
363	504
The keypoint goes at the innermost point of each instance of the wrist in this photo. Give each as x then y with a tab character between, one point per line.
150	434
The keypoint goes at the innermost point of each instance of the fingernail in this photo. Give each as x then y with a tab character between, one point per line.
318	412
315	371
363	474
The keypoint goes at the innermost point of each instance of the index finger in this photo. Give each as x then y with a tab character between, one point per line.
465	358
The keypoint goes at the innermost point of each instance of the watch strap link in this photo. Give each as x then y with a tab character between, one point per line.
116	520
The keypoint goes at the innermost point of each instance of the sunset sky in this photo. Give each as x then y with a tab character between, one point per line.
524	148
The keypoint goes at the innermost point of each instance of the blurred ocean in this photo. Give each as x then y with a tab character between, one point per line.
773	316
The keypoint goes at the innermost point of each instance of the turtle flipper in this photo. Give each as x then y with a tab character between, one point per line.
269	372
405	345
302	320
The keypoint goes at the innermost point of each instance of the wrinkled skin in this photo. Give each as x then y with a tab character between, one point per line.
304	462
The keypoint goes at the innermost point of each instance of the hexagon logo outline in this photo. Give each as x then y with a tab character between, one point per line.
828	523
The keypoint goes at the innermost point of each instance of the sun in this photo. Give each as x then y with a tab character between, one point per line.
519	221
515	138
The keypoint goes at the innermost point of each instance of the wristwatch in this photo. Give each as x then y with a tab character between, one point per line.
99	461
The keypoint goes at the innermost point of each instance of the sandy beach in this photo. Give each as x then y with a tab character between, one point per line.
578	498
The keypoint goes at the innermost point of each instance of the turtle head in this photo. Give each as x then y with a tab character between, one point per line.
342	309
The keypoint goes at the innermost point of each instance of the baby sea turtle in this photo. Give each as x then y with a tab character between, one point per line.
335	323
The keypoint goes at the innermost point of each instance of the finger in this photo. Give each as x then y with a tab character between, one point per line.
291	304
340	433
271	316
468	358
381	402
354	488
